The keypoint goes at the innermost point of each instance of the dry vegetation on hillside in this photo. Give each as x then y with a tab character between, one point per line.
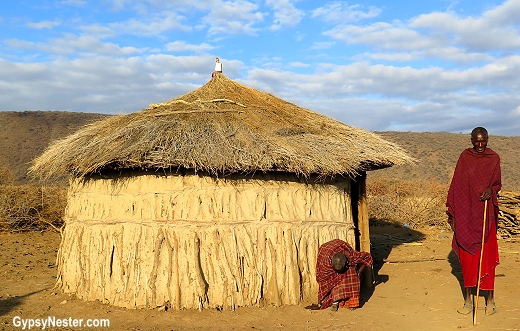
25	135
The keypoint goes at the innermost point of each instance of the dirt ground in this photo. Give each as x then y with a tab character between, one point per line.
417	288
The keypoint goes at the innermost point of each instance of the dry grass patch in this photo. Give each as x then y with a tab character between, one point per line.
418	203
30	207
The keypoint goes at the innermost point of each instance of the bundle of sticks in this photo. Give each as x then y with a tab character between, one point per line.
509	215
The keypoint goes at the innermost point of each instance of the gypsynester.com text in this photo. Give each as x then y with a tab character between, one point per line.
52	321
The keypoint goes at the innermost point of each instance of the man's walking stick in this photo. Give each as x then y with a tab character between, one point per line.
480	263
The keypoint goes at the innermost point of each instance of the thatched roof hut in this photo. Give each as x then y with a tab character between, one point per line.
217	198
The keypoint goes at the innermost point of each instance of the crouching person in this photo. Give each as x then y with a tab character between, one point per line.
337	272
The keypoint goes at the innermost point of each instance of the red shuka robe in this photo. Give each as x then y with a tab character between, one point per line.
474	173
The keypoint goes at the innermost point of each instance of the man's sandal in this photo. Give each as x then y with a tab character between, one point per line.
467	309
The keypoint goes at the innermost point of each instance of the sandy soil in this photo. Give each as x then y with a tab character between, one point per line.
417	288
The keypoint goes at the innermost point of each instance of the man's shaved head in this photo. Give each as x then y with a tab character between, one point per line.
339	262
478	130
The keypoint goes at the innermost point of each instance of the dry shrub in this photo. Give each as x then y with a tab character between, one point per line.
418	203
30	207
6	176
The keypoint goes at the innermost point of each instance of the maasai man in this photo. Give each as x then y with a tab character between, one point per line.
337	272
476	181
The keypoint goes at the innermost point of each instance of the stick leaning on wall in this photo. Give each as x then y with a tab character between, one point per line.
480	263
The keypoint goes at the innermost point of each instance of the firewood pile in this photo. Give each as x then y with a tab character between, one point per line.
509	215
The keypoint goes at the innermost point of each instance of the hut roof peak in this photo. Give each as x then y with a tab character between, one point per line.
218	66
221	127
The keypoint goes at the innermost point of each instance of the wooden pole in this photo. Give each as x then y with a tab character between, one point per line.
480	263
364	226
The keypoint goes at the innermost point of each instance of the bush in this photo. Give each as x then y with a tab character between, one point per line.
30	207
6	176
418	203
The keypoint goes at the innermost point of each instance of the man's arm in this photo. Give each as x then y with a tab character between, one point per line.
360	258
360	269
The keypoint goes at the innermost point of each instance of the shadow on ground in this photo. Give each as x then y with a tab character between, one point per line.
384	237
9	303
456	269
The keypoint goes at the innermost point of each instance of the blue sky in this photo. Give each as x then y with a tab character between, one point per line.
432	66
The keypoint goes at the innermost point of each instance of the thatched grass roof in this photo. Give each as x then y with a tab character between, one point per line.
221	127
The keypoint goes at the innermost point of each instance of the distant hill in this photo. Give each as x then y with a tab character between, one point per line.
438	152
25	135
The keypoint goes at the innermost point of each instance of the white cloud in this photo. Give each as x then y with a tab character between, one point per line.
151	26
103	83
393	57
299	36
453	54
182	5
299	65
437	35
495	29
78	3
182	46
382	35
339	12
70	44
99	31
234	17
322	44
20	44
505	14
43	24
456	55
430	99
285	13
120	4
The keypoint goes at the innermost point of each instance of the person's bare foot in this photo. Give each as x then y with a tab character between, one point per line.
467	309
491	309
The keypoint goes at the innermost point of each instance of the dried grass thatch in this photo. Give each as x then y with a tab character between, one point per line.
222	127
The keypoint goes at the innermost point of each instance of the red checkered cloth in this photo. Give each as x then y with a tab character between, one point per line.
474	173
332	285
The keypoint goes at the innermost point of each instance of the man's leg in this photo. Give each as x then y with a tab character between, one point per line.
468	302
491	297
490	303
